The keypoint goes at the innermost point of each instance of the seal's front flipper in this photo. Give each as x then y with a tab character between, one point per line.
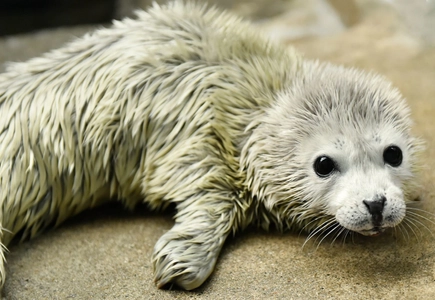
186	254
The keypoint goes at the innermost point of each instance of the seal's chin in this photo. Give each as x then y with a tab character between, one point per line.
375	231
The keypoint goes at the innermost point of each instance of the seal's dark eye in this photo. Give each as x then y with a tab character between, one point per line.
324	166
393	156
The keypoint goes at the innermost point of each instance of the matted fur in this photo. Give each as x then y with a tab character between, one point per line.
191	106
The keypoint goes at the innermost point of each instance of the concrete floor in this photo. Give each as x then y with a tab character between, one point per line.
105	253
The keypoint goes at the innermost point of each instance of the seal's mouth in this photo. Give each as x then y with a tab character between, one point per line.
375	231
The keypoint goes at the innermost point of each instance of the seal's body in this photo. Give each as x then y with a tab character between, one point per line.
191	106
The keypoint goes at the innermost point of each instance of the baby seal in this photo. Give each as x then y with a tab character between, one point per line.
191	106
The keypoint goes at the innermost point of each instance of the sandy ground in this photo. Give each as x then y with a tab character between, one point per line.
105	253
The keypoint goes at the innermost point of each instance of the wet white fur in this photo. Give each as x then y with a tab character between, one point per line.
192	106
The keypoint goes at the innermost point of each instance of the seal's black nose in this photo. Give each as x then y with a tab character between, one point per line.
375	209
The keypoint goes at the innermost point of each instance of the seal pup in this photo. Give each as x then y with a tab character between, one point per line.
191	106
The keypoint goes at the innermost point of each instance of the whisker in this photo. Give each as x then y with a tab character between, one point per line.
421	216
412	220
306	225
404	232
345	236
316	231
330	231
338	234
326	228
396	233
405	223
310	236
420	210
415	219
352	235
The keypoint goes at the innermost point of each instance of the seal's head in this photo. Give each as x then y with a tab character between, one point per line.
334	152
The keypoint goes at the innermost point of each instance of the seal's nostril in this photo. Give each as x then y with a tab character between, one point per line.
375	207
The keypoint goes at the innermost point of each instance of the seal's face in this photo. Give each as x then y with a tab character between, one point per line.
359	178
357	149
334	153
